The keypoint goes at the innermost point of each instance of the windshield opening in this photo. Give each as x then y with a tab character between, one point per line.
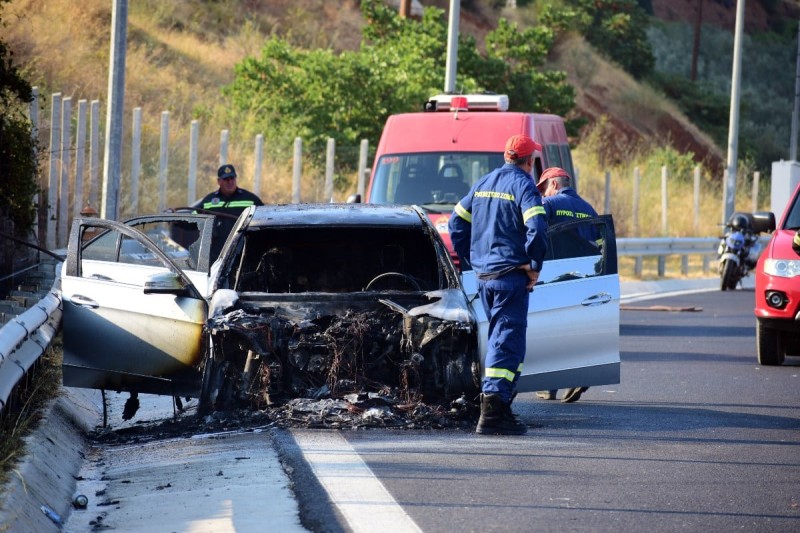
435	181
793	217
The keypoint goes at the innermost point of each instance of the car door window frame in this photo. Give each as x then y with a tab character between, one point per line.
74	253
608	250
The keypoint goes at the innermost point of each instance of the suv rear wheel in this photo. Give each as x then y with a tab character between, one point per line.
771	345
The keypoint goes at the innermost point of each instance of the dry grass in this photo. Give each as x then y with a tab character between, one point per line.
180	54
682	221
636	110
17	425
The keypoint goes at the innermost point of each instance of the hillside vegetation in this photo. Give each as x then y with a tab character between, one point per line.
181	54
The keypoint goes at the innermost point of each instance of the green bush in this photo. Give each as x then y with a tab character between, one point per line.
18	164
617	28
767	85
290	92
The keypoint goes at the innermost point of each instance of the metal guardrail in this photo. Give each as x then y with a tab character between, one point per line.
667	246
25	338
663	247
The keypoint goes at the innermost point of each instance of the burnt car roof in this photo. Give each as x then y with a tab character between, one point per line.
336	215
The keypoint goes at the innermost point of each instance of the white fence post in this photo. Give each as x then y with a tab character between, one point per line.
725	196
163	163
194	140
362	166
94	153
52	178
662	260
637	178
136	158
330	155
223	147
259	155
696	199
63	189
33	113
607	203
297	169
80	159
664	227
756	179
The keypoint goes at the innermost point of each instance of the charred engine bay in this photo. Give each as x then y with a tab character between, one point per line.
409	347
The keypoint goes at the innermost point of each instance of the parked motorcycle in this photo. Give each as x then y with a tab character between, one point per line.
739	248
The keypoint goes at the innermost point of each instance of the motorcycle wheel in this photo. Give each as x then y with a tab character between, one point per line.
727	275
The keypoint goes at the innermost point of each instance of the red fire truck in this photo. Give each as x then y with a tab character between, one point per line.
433	157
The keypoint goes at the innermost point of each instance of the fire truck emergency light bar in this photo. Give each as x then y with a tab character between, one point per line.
467	102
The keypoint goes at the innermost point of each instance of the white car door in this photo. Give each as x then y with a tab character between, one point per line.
132	319
573	313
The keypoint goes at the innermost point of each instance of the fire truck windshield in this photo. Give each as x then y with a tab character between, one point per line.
435	181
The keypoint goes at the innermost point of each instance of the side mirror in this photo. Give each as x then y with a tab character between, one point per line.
354	199
764	222
164	283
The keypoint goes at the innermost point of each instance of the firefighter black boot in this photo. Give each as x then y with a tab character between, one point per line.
497	418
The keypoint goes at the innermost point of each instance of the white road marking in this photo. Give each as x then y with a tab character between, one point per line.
352	487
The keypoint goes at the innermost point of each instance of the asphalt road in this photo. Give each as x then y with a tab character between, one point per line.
697	437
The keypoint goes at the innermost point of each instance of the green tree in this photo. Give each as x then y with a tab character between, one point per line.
18	164
315	94
618	28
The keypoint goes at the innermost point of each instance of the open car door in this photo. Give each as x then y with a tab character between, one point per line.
573	313
132	317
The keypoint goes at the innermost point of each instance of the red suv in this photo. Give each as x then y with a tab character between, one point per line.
778	291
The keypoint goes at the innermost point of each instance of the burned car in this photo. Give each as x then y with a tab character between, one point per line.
305	300
314	301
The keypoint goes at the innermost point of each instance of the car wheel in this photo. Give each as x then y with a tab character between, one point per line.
459	380
770	344
727	273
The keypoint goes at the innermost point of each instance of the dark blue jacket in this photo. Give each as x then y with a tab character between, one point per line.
566	206
500	223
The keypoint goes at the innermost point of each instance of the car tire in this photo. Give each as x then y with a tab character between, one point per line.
459	380
770	344
727	274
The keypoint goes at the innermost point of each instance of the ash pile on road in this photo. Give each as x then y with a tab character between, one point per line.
352	411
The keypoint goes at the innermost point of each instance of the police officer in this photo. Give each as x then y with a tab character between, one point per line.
499	229
562	204
228	201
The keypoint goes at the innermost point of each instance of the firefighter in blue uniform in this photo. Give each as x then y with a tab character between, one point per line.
563	204
228	201
498	229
